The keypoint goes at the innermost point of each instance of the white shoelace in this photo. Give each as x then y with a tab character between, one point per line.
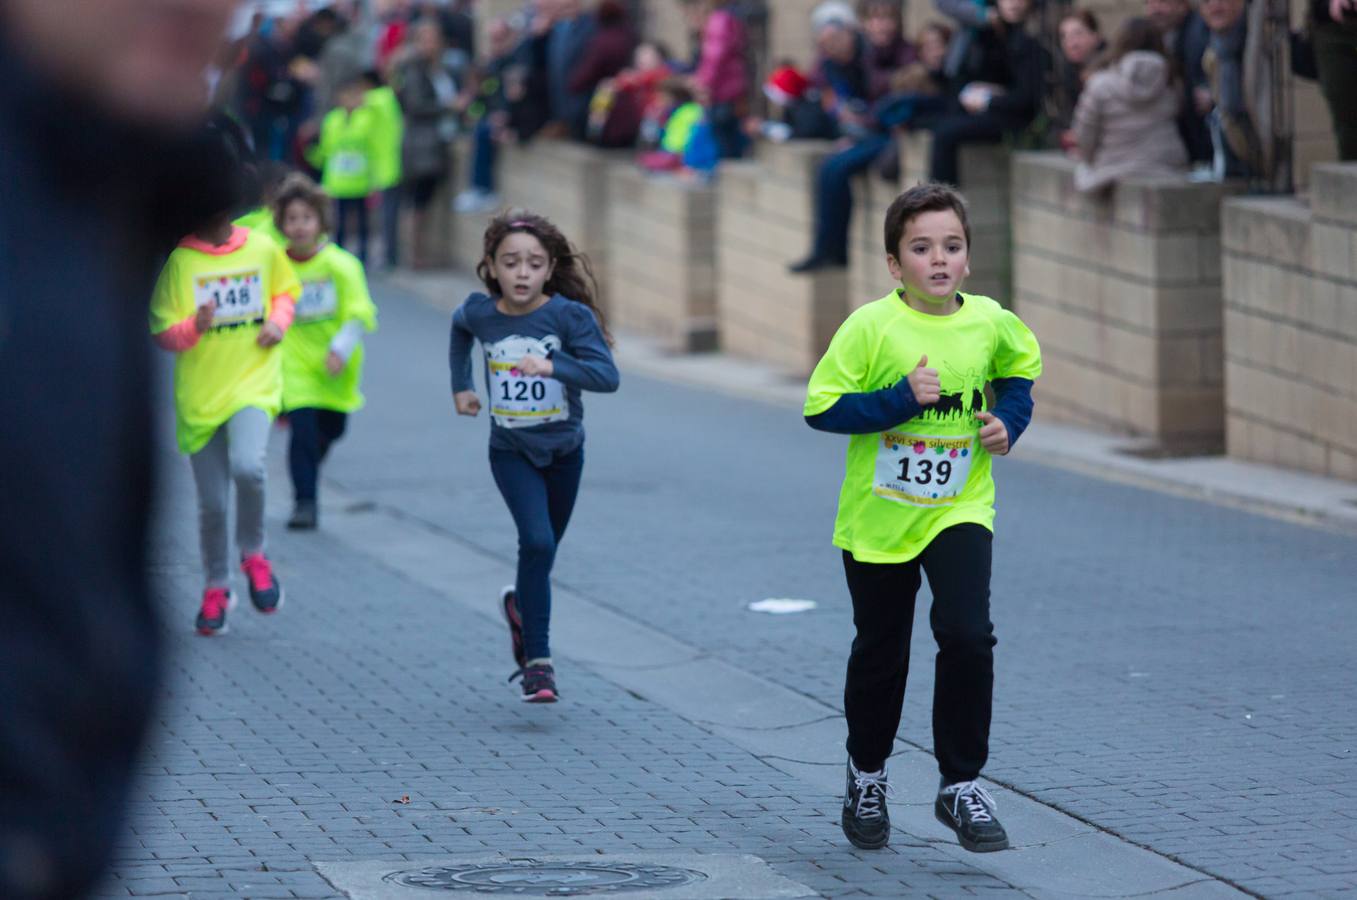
977	799
872	789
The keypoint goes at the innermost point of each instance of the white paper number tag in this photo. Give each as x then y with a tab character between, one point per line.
348	162
319	301
922	470
239	298
518	400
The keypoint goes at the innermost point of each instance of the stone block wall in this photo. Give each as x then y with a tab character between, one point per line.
868	278
662	258
764	210
1124	294
1291	327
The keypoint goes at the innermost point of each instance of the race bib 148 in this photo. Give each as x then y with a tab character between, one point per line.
238	296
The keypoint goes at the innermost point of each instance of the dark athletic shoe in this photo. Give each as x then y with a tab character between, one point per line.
508	606
968	809
217	602
265	592
866	821
305	516
539	684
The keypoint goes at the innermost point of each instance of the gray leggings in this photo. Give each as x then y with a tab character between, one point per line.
235	453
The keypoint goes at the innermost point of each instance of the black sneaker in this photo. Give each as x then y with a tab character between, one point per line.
968	809
508	605
305	516
866	821
539	684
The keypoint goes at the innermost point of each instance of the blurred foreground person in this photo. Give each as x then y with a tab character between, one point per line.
98	106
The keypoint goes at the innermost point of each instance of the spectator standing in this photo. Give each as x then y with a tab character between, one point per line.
608	52
1125	123
427	93
1334	30
491	112
1240	147
1001	84
1185	38
1080	43
571	31
721	78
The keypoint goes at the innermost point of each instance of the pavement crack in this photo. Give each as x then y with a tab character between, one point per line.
768	728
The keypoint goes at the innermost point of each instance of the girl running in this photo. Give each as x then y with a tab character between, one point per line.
544	342
323	352
222	303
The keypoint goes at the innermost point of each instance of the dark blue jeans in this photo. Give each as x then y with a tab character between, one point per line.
541	501
834	196
313	431
483	152
357	207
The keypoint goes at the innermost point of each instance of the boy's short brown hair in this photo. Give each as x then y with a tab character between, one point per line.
298	187
932	196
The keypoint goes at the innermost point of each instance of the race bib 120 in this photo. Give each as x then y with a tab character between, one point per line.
238	296
922	470
319	301
518	400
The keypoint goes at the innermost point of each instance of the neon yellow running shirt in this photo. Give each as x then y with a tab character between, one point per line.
334	291
904	486
226	371
261	220
387	137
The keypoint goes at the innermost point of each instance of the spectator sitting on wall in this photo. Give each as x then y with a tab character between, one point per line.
840	75
1333	28
1185	38
721	76
608	52
1239	145
918	92
1125	123
684	116
1000	90
625	106
1080	43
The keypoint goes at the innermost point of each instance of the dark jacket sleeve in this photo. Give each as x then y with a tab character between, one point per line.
587	364
870	412
1026	80
1013	405
459	352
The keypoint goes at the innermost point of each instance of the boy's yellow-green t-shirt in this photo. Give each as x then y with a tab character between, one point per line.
345	153
334	291
226	371
902	487
389	132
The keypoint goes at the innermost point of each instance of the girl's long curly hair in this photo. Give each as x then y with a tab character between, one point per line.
572	277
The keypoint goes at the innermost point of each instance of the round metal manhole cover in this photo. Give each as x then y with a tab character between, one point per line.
547	879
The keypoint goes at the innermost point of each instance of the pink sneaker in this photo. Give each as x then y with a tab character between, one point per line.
217	602
265	592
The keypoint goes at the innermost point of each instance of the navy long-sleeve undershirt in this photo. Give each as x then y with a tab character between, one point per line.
881	410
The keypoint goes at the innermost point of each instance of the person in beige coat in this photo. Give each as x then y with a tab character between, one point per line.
1125	121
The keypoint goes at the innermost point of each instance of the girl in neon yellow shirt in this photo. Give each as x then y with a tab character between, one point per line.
905	376
223	303
323	351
